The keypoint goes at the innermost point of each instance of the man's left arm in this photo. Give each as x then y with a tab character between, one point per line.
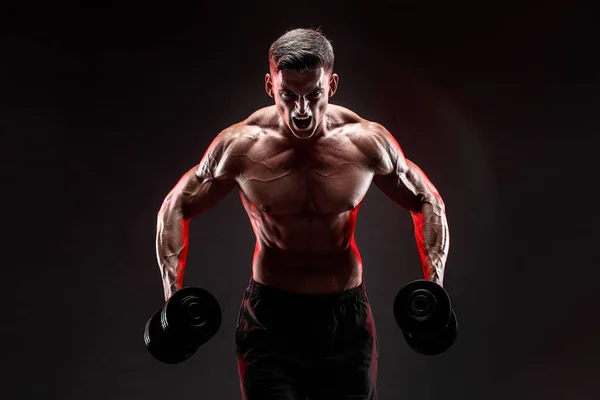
408	186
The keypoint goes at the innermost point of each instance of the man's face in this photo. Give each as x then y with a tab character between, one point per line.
301	98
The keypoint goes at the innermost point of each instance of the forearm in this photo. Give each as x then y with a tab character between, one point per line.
433	239
171	246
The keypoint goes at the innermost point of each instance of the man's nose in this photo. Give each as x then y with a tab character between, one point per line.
302	105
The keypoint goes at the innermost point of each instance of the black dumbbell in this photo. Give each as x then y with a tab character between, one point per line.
423	312
190	318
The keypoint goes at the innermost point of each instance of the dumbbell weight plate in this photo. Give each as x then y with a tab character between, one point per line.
422	307
191	314
438	344
161	346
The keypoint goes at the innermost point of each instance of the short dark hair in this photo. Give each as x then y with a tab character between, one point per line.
301	50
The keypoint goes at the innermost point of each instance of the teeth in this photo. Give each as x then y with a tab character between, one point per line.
302	118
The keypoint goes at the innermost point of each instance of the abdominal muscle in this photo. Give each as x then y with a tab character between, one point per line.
307	253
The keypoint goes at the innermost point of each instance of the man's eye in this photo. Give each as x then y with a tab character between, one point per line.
317	93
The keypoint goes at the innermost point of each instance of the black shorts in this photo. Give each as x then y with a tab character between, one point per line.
293	346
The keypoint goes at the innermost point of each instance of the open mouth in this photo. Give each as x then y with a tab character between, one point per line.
302	123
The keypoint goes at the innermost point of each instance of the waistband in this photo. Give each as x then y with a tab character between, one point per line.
358	293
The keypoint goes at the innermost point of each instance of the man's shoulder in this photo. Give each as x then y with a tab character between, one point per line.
360	130
354	124
371	138
239	137
340	116
251	126
256	123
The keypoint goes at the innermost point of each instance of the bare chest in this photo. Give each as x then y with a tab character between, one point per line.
330	177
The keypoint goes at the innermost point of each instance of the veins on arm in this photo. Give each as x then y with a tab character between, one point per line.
406	184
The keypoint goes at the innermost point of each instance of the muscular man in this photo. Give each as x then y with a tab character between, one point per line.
302	168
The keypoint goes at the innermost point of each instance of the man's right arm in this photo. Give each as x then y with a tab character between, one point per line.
197	191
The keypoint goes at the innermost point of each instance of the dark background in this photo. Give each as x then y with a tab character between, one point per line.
104	108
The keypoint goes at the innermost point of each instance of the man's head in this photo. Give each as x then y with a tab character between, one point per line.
301	79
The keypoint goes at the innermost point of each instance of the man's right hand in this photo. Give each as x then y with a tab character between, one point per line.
188	320
170	291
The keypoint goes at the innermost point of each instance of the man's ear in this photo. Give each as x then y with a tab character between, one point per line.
333	84
269	85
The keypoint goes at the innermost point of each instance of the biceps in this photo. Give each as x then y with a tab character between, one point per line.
197	191
408	186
